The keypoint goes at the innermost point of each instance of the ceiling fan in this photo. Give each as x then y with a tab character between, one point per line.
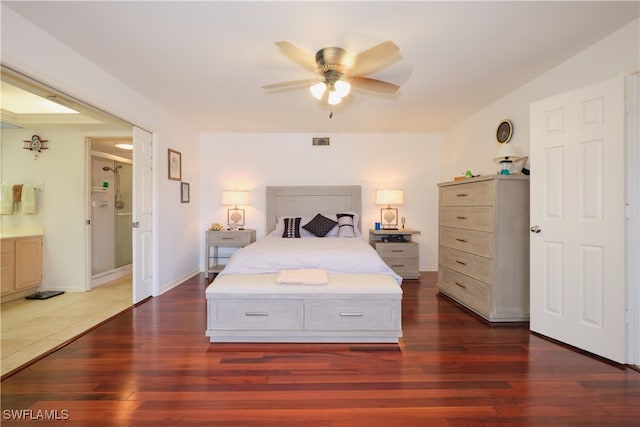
337	70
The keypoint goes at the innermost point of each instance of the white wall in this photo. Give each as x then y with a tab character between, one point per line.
27	49
254	161
471	143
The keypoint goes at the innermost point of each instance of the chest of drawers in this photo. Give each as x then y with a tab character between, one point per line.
483	255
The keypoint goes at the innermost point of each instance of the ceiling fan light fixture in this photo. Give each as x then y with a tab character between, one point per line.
342	88
334	98
317	90
334	67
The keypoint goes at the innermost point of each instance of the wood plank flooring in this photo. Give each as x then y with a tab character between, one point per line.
153	366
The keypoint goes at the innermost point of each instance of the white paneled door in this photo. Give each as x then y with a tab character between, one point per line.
578	218
142	209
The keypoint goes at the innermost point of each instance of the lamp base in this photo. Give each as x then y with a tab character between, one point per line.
389	218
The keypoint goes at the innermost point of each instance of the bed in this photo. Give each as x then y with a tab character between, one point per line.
306	288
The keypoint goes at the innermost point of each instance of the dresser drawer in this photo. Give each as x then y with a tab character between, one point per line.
405	267
332	314
256	314
468	264
468	194
475	242
228	238
466	290
391	249
472	218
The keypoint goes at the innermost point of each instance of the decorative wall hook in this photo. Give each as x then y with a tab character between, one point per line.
36	145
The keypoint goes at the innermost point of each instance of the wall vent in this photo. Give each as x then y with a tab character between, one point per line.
321	141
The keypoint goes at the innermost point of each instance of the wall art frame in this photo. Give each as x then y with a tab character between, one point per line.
175	165
185	196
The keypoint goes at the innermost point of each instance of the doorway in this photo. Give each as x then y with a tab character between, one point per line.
61	211
111	208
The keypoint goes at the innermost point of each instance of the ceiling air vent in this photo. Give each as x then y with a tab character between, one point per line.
320	141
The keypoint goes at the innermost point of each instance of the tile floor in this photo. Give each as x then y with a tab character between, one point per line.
31	328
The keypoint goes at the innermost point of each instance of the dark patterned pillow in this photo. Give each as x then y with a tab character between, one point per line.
320	225
345	225
291	228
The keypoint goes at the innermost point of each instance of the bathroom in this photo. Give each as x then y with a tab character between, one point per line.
111	210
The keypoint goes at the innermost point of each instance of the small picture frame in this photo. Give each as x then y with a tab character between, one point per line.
175	165
184	192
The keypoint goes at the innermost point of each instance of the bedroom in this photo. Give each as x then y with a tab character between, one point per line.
456	150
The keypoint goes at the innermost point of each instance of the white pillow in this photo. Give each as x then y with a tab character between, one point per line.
356	220
345	226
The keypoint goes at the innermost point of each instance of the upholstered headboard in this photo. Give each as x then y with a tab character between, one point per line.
310	200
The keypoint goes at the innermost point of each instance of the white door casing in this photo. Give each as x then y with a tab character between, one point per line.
578	206
142	215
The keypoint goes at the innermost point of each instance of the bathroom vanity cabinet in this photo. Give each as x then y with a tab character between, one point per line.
21	266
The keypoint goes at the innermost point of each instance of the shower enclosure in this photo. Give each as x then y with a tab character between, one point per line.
111	215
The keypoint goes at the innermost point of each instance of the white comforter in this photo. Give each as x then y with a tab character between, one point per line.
272	254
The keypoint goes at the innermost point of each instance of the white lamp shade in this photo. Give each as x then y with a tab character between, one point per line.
342	88
235	198
317	90
507	152
389	197
334	98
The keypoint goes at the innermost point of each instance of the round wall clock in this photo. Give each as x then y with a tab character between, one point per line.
504	131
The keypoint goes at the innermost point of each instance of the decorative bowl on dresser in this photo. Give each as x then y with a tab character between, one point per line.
483	256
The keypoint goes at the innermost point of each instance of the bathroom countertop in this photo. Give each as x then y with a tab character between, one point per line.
13	232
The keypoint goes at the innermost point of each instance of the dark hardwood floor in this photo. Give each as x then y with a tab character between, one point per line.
153	366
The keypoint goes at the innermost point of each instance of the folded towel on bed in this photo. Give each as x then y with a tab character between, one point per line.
303	276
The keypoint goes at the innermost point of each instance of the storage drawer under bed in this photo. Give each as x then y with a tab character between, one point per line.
342	315
256	314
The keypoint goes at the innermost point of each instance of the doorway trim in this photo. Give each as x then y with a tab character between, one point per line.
632	148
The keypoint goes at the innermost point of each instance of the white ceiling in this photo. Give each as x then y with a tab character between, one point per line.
206	61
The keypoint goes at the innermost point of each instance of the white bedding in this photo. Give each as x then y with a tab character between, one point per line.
272	253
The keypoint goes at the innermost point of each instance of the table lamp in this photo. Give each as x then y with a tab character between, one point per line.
389	215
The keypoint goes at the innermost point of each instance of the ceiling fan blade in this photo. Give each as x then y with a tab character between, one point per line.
290	83
298	56
375	58
373	85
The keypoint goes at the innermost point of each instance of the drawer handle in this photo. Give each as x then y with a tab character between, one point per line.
227	238
461	217
461	195
256	314
462	240
351	314
397	250
397	265
461	263
461	285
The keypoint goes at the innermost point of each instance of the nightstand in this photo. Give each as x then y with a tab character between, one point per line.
397	250
224	238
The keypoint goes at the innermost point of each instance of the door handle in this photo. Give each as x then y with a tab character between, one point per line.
535	229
